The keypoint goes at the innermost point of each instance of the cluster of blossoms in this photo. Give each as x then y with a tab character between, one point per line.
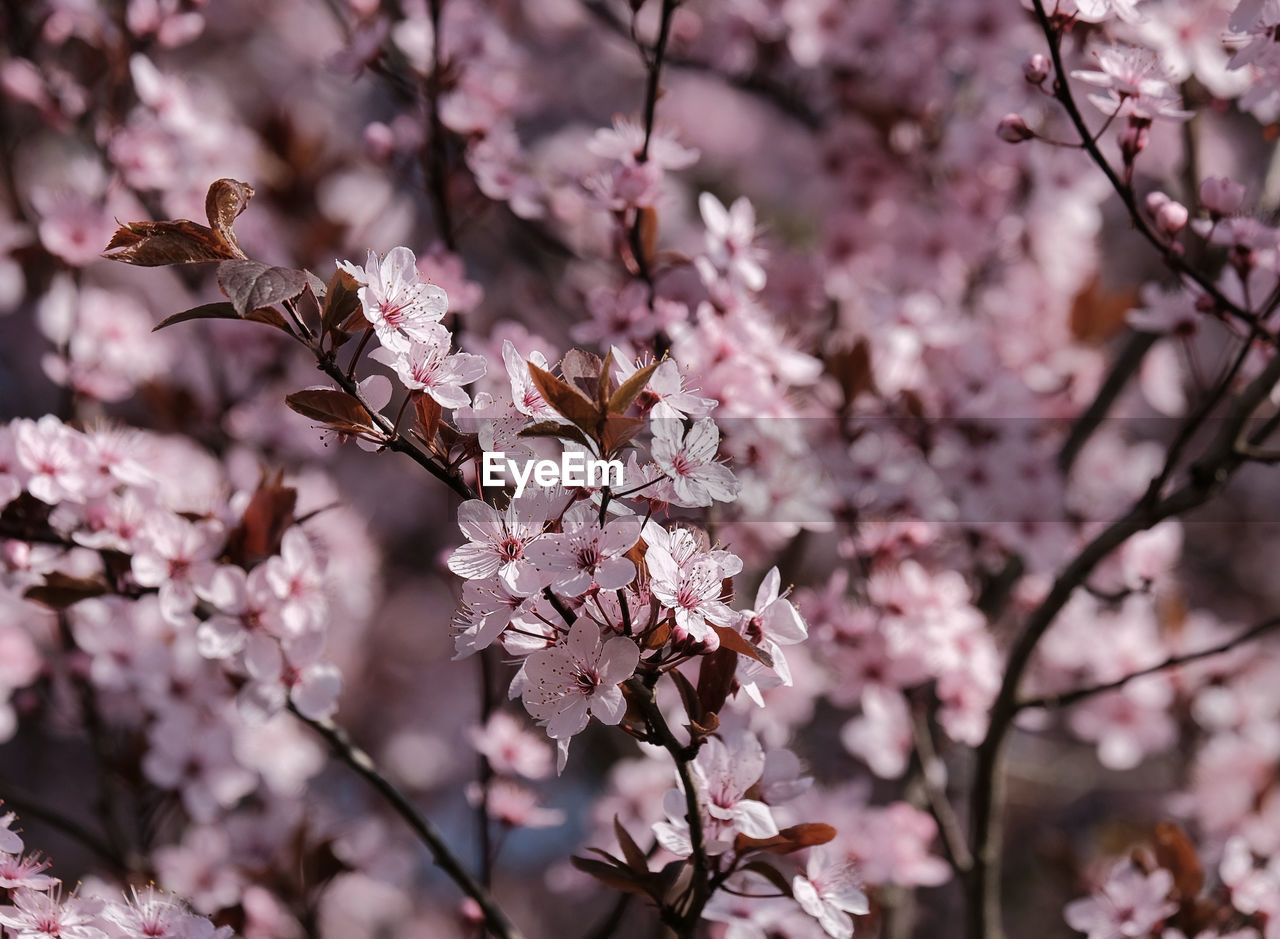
37	908
900	333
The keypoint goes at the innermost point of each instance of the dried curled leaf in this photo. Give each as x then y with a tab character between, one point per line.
182	241
156	244
223	203
252	285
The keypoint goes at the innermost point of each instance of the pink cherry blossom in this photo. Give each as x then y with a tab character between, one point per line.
579	678
399	306
586	553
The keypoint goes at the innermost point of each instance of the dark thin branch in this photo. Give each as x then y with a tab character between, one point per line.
953	839
400	444
1067	698
363	764
1125	366
1062	91
699	893
785	100
1207	477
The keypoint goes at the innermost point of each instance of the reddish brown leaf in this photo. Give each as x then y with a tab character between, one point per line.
206	311
155	244
649	235
335	409
223	203
618	431
630	389
428	412
635	858
771	874
616	877
565	400
341	300
266	518
734	640
556	430
788	840
715	679
582	370
688	694
252	284
1176	853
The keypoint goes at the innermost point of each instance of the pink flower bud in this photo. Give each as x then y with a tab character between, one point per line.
1013	129
1036	69
379	141
1221	196
1171	217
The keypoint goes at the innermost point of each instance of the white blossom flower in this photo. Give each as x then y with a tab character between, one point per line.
426	365
577	678
586	553
399	306
498	541
689	461
828	891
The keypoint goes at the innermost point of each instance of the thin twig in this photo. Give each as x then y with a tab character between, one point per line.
1067	698
362	763
1207	477
1124	190
953	840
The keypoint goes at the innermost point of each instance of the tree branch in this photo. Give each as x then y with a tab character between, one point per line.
363	764
1207	477
1067	698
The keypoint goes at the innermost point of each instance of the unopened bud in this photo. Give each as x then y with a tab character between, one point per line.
1171	217
1013	129
1036	68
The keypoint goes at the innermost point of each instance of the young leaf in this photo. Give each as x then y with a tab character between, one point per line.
734	640
616	877
636	859
581	370
266	518
715	679
602	385
565	400
340	301
771	874
206	311
557	431
335	409
688	695
427	411
630	389
618	431
252	284
795	838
